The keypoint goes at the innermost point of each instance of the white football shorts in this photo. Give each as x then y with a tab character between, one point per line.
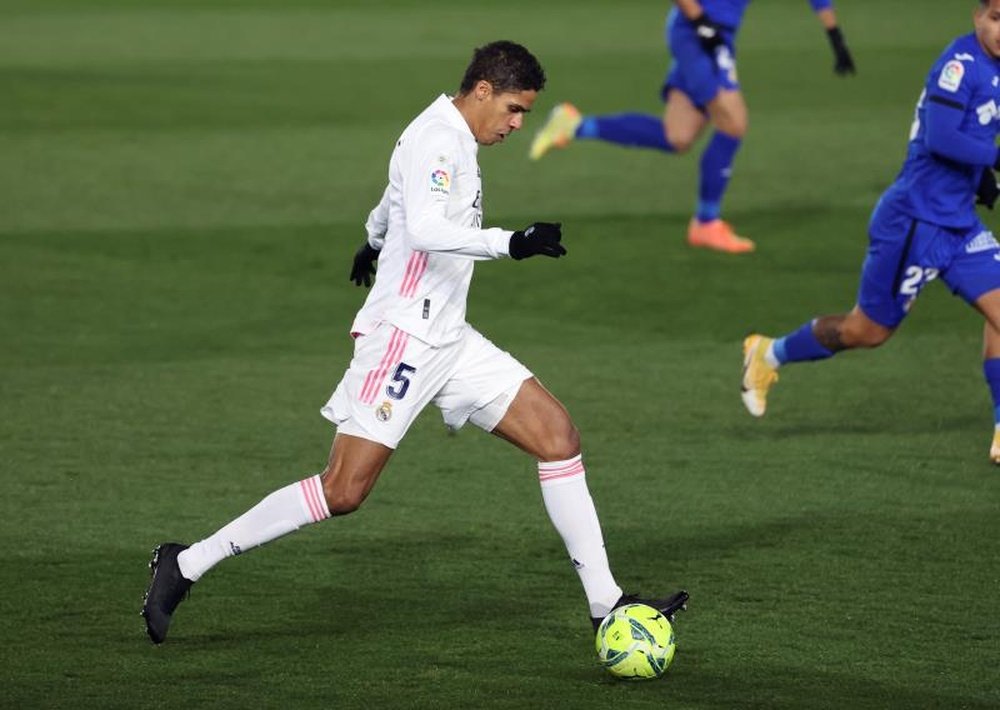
394	375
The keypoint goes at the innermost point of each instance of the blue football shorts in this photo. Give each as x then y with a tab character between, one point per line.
693	70
905	254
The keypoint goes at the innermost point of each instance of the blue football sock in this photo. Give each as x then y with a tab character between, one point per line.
631	129
800	345
991	370
716	167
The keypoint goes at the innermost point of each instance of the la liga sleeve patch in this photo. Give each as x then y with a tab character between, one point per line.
951	76
440	181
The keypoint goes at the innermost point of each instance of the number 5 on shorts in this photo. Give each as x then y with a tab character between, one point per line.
402	381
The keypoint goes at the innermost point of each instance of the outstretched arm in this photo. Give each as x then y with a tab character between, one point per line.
843	62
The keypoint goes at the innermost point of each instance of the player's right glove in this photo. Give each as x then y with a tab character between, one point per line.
843	62
988	190
709	33
540	238
363	267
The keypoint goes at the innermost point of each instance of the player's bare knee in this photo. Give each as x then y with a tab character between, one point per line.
874	338
734	126
342	502
561	444
854	336
680	140
340	499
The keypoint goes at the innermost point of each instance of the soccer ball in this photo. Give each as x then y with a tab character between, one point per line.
635	642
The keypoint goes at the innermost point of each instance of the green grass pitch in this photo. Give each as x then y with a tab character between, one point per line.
182	186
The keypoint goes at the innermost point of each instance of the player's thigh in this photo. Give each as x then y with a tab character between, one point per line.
482	385
728	111
353	468
899	262
391	378
682	120
974	273
538	423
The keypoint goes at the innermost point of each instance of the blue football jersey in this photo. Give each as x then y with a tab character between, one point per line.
730	12
933	188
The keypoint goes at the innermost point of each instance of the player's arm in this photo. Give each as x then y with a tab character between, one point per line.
426	196
378	221
363	266
709	33
944	136
843	61
944	103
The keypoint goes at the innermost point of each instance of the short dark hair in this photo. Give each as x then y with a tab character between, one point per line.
507	66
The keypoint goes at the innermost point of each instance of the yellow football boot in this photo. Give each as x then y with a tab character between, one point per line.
758	375
558	131
995	447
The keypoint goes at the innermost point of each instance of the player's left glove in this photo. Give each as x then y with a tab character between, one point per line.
988	190
843	63
540	238
363	267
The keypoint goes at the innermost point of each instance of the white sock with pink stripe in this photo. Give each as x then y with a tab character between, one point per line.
571	509
282	512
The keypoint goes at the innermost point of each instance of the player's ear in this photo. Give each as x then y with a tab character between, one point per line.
483	90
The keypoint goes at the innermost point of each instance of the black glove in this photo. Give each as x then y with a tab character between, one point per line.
709	33
988	190
363	267
540	238
843	63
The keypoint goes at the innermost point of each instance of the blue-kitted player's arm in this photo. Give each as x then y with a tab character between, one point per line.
944	136
843	62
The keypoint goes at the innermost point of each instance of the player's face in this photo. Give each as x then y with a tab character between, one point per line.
500	114
987	21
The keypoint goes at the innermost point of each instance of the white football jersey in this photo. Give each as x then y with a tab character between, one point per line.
428	226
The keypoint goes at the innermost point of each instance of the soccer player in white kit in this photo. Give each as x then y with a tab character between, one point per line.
413	347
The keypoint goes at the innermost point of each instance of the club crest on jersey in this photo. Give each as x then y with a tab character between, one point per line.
384	412
951	76
440	181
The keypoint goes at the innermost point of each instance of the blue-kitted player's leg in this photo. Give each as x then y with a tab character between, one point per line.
974	274
690	84
634	130
728	113
991	371
899	263
817	339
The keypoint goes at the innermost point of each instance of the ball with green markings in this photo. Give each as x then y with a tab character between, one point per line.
635	642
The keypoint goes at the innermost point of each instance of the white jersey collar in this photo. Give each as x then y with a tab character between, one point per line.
446	108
